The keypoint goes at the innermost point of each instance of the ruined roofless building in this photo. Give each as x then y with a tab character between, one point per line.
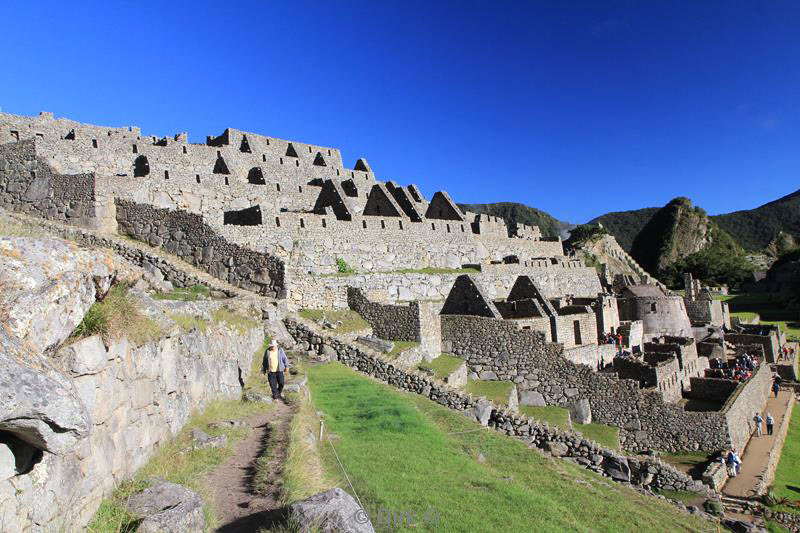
291	200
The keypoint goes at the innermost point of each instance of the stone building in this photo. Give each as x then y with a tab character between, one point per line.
660	313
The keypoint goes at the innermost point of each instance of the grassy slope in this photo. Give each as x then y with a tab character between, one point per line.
787	475
443	366
514	212
607	436
407	454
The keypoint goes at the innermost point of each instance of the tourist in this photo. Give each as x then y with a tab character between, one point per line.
758	420
733	463
275	364
776	387
770	423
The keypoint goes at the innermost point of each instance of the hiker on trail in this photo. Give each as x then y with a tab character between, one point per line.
776	387
758	420
275	364
770	423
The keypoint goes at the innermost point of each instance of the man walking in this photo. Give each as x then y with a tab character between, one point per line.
275	364
758	420
770	423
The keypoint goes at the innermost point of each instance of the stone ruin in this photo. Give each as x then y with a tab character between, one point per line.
278	218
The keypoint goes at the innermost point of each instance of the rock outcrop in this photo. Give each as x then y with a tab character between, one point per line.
331	511
168	508
47	287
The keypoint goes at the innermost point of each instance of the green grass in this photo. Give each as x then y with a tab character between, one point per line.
495	391
407	454
774	527
116	316
196	292
603	435
177	462
400	347
241	324
554	416
442	366
684	496
190	322
350	320
787	475
12	228
432	270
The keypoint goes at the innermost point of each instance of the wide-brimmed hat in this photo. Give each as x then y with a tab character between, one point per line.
273	343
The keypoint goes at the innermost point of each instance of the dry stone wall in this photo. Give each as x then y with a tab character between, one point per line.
29	185
389	322
521	356
137	398
186	236
644	471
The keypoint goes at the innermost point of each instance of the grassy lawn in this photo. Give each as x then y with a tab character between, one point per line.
350	320
400	347
442	366
419	460
196	292
607	436
787	475
495	391
554	416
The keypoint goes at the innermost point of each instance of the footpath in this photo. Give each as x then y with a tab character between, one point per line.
761	450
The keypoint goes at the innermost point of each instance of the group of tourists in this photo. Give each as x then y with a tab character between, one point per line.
739	369
732	461
786	353
610	338
759	420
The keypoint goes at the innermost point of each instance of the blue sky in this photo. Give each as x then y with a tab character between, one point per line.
577	108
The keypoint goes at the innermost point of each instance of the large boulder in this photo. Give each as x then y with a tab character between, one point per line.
331	511
47	287
37	403
617	468
532	398
168	508
581	411
458	377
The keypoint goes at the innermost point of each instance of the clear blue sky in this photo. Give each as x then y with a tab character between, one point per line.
577	108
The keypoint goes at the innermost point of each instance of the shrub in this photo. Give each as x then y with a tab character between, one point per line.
342	266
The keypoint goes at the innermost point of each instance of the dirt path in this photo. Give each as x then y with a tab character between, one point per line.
756	454
239	507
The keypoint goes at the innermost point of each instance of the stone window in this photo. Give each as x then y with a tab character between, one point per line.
433	226
141	167
166	174
324	224
250	216
302	223
256	176
400	222
364	223
577	327
653	308
277	222
94	143
299	188
135	149
278	187
184	149
197	177
383	224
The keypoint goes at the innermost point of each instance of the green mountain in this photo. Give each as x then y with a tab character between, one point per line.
753	229
682	238
514	213
756	228
626	225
